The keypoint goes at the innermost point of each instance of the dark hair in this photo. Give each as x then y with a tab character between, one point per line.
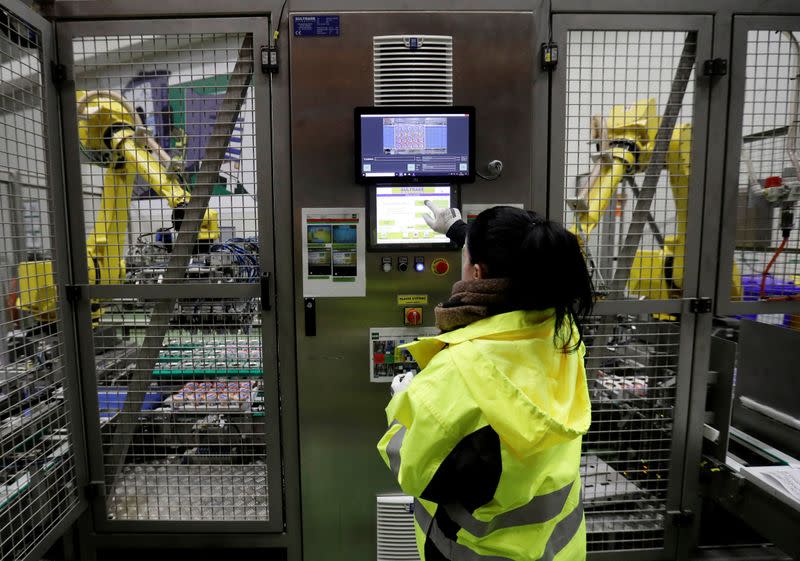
542	260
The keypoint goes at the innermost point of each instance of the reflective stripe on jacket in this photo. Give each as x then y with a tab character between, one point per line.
501	376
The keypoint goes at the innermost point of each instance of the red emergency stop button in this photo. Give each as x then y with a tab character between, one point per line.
413	316
440	266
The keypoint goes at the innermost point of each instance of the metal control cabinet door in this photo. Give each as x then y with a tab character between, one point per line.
167	145
628	120
41	437
341	412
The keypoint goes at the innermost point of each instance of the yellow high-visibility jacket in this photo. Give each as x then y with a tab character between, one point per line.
487	438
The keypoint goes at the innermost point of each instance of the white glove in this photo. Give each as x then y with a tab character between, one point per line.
401	381
442	218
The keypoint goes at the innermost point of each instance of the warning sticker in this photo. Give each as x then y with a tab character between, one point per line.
316	26
412	299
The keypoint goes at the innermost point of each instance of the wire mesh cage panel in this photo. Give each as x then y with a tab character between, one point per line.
175	202
195	437
767	243
632	364
38	482
627	156
147	108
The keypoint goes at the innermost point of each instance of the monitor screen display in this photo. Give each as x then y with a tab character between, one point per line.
399	211
402	145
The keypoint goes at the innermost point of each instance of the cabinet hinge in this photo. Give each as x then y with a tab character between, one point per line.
701	305
715	67
72	292
58	72
95	489
681	518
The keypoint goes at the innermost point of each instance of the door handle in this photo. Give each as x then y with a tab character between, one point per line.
265	302
310	308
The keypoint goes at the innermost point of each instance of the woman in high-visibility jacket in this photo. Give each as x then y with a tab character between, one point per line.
487	437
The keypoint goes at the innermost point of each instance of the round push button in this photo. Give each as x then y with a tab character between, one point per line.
413	316
440	266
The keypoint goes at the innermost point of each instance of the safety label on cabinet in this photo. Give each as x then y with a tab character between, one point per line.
333	252
316	26
386	358
412	299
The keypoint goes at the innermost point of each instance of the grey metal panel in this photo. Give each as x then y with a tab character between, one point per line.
257	25
766	367
63	258
79	274
166	541
341	412
736	84
284	288
155	291
23	9
92	9
541	112
62	499
686	386
413	6
497	111
720	396
645	555
260	29
758	213
726	307
693	435
603	307
708	258
268	267
771	517
677	6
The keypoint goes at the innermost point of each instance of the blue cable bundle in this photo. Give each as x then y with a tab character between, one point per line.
245	255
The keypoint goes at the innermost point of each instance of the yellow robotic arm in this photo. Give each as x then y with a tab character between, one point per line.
630	138
630	134
111	135
108	127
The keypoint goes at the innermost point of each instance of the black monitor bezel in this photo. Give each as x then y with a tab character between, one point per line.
372	221
420	110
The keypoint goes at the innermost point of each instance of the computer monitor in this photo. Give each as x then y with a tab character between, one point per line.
414	145
396	216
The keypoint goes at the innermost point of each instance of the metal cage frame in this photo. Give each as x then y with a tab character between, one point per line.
259	28
718	110
742	25
61	251
562	23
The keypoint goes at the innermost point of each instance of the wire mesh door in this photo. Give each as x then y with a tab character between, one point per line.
762	252
167	135
41	457
628	110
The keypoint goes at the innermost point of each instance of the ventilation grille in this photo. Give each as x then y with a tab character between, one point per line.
413	70
396	540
